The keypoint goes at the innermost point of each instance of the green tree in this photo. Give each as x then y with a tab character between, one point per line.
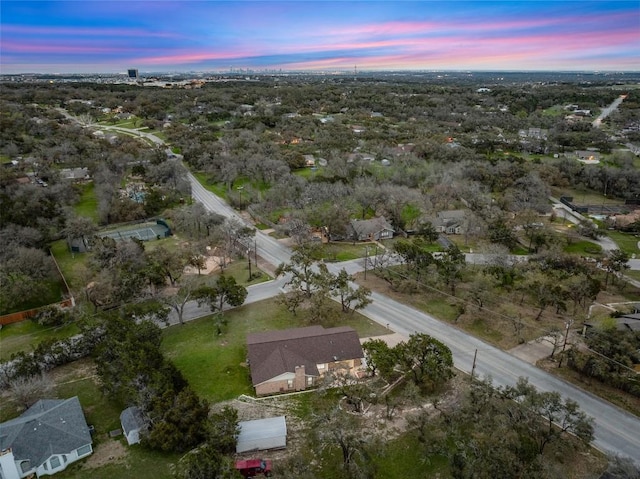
205	462
179	300
167	263
450	267
380	358
226	291
616	262
223	430
301	268
544	417
428	361
416	255
178	421
129	356
341	287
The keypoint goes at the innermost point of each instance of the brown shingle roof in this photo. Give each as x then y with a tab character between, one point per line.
277	352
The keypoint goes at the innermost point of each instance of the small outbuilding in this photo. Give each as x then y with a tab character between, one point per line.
262	434
132	423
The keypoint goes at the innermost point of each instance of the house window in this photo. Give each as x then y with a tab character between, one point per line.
290	383
309	381
84	450
55	462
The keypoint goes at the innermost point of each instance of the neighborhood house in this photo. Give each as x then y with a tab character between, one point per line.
374	229
44	440
451	222
295	359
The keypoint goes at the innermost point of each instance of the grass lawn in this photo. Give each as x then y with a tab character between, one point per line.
584	248
27	334
403	457
239	269
309	173
215	365
625	241
88	204
346	251
133	462
583	196
216	188
71	264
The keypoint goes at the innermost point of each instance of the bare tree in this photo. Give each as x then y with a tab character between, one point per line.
27	390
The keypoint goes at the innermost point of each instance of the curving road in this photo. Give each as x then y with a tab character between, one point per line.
616	431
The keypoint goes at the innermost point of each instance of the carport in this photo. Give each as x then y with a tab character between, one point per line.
261	434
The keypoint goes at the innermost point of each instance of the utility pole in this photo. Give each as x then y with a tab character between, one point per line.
473	367
566	337
249	261
366	260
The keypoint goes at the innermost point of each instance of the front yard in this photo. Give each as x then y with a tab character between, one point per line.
216	365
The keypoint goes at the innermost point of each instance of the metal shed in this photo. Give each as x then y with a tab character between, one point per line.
261	434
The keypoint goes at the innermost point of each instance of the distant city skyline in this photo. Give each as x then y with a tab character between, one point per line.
112	37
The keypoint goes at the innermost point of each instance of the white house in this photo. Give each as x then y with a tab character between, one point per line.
45	439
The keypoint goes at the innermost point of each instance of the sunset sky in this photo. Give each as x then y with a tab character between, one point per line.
111	36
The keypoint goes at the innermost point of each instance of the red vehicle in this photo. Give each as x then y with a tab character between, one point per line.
253	467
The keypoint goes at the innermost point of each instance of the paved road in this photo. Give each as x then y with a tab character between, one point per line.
608	110
615	430
269	248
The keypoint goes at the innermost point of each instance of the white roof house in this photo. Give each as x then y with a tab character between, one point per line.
261	434
44	439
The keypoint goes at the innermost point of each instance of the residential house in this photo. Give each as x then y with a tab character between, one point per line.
75	174
45	439
320	235
374	229
587	156
309	160
262	434
451	222
132	424
295	359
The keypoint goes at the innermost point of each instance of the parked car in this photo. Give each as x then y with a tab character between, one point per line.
254	467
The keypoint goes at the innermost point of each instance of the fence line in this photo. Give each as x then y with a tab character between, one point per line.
29	313
69	302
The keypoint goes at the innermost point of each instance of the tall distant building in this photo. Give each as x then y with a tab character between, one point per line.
133	73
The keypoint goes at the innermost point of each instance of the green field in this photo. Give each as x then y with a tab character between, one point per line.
584	248
26	335
216	188
88	204
625	241
584	196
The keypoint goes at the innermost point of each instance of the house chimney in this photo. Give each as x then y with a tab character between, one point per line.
300	381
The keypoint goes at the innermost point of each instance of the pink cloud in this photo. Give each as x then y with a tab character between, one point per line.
192	57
